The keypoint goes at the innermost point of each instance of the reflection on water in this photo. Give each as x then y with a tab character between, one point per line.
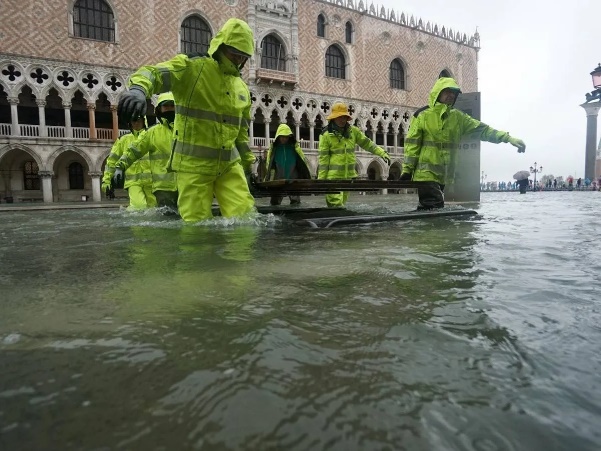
124	330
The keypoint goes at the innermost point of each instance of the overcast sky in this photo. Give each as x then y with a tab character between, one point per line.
534	70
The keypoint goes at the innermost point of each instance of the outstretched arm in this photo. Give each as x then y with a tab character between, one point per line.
471	126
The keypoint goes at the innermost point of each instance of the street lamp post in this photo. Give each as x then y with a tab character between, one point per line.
482	178
592	107
534	170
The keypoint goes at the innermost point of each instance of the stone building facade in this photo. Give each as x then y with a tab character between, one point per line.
63	66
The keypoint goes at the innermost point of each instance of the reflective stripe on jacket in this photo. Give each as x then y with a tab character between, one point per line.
138	174
434	135
337	158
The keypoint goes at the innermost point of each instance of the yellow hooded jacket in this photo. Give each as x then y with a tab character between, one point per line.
212	104
435	133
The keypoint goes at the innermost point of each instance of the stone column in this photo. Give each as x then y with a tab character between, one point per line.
68	129
92	115
396	140
311	134
251	132
592	111
14	116
46	177
297	124
115	122
267	122
96	177
385	174
41	103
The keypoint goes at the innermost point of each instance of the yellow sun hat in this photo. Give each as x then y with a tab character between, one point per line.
339	109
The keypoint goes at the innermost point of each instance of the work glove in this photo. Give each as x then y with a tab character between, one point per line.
405	177
252	180
118	177
132	103
518	143
386	158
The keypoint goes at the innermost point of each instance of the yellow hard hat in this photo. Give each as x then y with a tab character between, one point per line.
165	97
339	109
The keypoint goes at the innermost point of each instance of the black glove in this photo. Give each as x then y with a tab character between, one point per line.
405	177
132	103
118	178
386	160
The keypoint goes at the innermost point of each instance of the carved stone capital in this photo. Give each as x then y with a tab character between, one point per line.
91	106
40	102
46	174
13	100
67	105
114	107
95	174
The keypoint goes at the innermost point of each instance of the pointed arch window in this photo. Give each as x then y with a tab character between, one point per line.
335	63
75	176
93	19
31	178
397	74
195	35
273	54
348	33
321	26
444	73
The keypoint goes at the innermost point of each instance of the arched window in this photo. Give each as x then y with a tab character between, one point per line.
195	35
321	26
93	19
31	178
335	64
348	32
397	75
444	73
75	176
273	54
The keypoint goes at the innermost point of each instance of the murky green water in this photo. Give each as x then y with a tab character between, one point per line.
135	332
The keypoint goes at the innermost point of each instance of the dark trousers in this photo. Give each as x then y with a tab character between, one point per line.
166	199
430	196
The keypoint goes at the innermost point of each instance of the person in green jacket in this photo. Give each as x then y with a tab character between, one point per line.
156	144
210	152
138	177
286	160
434	133
337	158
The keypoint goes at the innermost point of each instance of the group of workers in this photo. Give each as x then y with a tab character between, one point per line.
200	149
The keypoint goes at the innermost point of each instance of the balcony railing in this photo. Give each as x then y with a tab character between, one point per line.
60	132
276	76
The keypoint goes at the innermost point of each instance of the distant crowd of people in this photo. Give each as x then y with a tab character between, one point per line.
548	184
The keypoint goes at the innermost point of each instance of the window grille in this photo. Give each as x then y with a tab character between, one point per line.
93	19
273	54
195	35
335	64
31	178
397	75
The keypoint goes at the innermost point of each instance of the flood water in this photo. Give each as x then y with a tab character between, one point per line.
133	331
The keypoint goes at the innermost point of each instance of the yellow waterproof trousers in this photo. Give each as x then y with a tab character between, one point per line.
337	200
140	196
195	194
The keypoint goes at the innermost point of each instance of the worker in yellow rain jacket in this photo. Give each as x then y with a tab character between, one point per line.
434	133
210	152
156	144
337	158
286	160
138	178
